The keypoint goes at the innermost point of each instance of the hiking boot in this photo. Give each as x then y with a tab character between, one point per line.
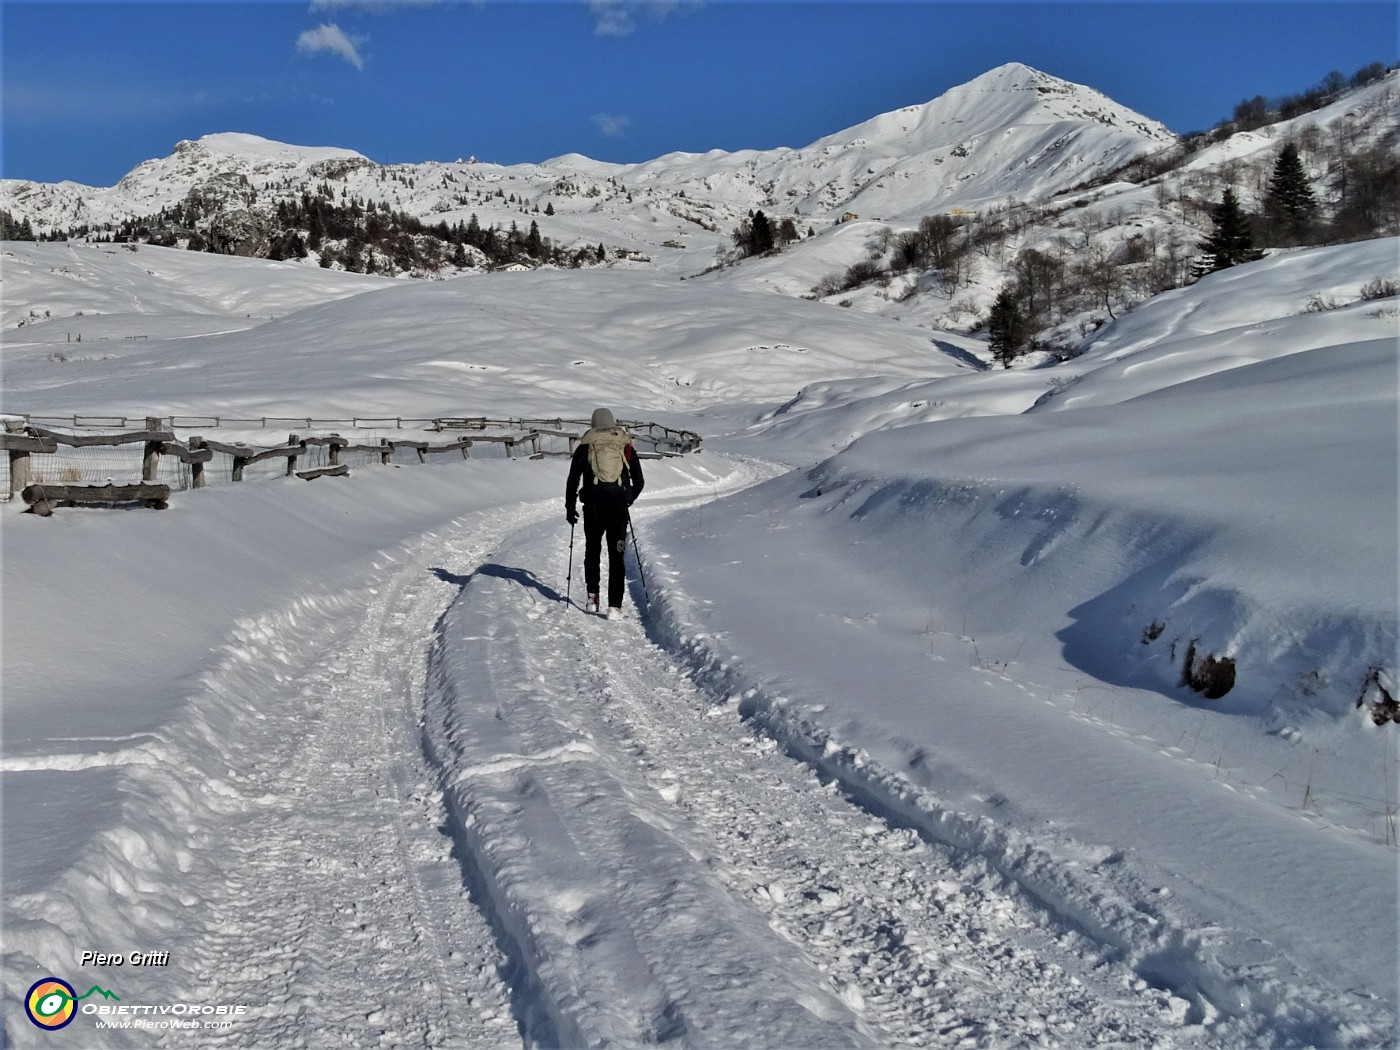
614	612
592	604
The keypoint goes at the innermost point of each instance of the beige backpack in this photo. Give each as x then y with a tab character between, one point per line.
607	453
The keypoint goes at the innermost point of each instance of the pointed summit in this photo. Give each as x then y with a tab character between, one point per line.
1013	133
1005	97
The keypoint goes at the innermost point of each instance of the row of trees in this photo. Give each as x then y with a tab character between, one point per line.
757	234
12	229
1289	216
1081	272
1257	112
357	235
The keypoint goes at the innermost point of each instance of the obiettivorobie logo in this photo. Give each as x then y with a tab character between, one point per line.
53	1003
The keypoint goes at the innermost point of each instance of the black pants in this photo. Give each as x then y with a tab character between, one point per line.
605	516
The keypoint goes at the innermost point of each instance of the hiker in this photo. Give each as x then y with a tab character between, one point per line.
606	474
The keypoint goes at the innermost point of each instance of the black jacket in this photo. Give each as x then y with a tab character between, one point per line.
581	476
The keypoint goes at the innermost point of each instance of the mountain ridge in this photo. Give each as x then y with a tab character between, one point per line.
1016	168
819	181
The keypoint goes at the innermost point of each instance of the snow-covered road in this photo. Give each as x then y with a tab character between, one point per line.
658	870
444	808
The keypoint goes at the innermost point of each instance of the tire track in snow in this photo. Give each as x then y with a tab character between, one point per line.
1083	893
283	841
344	919
660	871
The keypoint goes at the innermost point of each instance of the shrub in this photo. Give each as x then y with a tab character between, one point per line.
1380	288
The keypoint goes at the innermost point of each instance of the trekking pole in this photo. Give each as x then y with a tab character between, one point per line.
638	553
569	578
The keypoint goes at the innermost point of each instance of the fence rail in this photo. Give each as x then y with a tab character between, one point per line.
97	459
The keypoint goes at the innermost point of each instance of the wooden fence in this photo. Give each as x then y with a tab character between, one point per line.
45	468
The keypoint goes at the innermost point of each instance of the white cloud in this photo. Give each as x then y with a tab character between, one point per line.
611	18
330	37
619	17
612	125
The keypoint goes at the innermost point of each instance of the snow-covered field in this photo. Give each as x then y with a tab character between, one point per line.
893	749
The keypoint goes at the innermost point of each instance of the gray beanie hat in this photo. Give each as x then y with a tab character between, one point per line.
603	419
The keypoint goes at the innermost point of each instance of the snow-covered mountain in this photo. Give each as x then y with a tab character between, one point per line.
1013	133
1019	159
963	784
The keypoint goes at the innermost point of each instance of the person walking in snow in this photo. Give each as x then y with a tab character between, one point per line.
606	474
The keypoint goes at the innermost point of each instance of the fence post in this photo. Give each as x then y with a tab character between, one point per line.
19	461
150	462
196	468
335	446
239	462
386	451
293	439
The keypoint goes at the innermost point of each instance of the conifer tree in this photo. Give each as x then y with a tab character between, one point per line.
12	229
1007	327
1231	242
762	234
1290	205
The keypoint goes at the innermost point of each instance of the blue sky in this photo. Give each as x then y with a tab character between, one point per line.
92	89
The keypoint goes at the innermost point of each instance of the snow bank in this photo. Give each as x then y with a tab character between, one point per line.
1214	498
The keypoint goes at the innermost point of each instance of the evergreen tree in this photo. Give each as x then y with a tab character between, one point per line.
1290	205
762	240
1231	242
1007	328
755	235
12	229
534	244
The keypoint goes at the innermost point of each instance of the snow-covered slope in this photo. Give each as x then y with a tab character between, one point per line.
54	293
247	160
1149	230
896	748
1012	133
527	342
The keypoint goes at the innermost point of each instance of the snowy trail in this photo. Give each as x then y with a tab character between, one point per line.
442	808
281	841
344	884
657	871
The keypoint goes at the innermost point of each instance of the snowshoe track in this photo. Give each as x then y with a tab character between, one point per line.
509	822
659	871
